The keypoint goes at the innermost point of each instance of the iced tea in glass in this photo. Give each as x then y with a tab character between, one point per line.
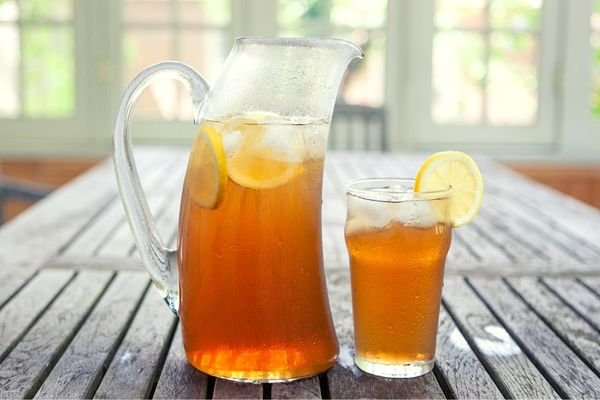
397	240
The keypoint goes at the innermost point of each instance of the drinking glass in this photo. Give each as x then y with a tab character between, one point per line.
397	240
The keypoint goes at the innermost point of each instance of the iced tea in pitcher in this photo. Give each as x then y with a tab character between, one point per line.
256	258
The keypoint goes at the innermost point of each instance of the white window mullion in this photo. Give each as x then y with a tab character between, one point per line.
580	137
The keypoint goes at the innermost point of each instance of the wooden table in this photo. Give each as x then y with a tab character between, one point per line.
520	317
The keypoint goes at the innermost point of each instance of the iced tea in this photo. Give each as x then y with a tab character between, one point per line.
253	296
397	245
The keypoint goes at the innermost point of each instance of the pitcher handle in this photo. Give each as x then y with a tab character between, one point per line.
160	261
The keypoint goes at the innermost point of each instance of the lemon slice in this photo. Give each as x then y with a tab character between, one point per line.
262	155
456	170
207	169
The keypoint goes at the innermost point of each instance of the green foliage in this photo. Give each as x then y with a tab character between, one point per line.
596	83
45	9
515	14
49	72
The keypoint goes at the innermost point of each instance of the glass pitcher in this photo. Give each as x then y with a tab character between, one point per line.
247	276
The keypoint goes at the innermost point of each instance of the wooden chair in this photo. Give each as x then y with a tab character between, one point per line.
356	127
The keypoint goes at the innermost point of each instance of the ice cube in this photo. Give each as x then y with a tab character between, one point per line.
283	141
315	140
232	142
364	214
414	213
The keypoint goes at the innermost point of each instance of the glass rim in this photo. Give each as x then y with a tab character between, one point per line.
317	41
374	190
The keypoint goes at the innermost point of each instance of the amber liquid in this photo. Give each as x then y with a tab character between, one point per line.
253	300
397	275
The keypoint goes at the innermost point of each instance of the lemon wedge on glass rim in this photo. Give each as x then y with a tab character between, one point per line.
207	169
458	171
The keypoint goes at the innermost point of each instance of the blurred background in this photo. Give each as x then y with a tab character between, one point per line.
518	80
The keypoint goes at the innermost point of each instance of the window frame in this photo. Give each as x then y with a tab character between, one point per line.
97	29
583	139
425	133
67	135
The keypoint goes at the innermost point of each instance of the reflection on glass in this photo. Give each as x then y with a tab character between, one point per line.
148	10
212	12
512	80
515	14
142	48
205	50
458	70
356	20
460	14
56	10
48	72
9	71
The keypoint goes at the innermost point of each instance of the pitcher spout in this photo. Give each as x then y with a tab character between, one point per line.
296	78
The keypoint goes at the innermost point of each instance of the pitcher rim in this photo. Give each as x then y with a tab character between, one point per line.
298	42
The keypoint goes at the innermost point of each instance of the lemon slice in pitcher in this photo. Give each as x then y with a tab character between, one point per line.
263	151
459	171
207	169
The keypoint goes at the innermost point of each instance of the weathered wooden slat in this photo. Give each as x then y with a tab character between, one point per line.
302	389
559	362
49	224
584	301
347	381
80	368
540	247
23	371
593	284
511	246
53	222
178	379
510	368
459	366
168	219
132	372
99	230
95	263
568	214
121	241
579	334
462	252
23	309
225	389
482	249
531	224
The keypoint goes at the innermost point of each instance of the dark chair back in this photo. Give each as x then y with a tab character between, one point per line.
358	128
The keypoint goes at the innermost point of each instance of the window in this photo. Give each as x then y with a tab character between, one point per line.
488	69
485	62
499	76
192	31
37	62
